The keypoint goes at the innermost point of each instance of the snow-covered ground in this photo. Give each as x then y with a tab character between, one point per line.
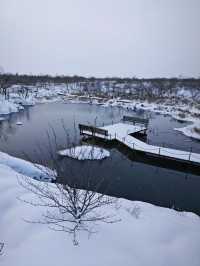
26	168
146	234
85	152
192	131
18	101
7	107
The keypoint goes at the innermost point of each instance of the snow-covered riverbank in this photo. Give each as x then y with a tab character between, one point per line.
176	109
17	101
146	234
192	131
26	168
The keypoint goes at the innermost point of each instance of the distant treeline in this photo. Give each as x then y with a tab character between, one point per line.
12	79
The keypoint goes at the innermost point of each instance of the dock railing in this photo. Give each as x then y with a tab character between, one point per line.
94	130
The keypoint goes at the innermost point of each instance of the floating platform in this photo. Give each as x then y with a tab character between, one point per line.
124	133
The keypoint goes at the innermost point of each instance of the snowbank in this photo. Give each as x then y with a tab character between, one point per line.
26	168
146	235
85	152
190	131
17	101
25	101
7	107
19	123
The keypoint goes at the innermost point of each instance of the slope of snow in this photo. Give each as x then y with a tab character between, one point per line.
146	235
25	101
7	107
189	131
26	168
85	152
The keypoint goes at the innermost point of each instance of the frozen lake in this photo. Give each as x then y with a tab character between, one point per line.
124	177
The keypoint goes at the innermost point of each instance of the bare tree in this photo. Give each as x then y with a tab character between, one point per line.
4	87
72	204
1	248
69	209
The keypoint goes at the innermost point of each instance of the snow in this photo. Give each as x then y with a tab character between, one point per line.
26	168
23	101
19	123
2	119
136	144
122	129
17	101
146	234
177	111
189	131
85	152
7	107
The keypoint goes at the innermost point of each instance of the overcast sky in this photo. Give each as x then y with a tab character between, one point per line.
144	38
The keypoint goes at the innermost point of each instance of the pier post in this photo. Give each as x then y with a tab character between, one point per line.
190	154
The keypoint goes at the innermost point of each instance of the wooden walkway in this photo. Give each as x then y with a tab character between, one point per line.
122	133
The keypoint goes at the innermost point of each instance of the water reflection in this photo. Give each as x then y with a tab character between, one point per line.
8	126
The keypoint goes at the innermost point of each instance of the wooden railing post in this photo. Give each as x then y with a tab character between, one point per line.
190	153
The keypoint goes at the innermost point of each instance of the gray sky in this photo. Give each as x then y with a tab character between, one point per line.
144	38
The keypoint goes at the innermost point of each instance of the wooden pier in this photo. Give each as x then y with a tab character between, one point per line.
125	134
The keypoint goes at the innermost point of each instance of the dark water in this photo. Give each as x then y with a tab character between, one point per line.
131	179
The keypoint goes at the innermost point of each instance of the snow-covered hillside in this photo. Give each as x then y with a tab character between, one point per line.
146	234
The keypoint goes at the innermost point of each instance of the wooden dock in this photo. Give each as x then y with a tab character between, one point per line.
124	133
